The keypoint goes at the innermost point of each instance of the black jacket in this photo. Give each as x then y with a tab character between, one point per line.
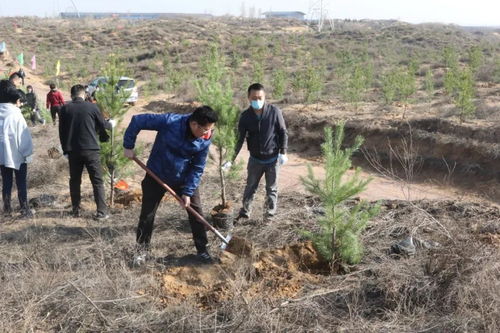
266	137
31	100
80	125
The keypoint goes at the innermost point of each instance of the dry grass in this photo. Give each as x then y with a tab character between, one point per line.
63	274
73	275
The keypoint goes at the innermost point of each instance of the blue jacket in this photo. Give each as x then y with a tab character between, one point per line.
177	157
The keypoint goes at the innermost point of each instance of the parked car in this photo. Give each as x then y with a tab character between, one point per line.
126	83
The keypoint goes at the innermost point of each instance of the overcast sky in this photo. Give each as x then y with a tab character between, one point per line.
464	12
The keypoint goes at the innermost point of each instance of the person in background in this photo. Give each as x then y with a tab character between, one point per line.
263	126
81	127
16	148
55	102
16	80
32	104
22	75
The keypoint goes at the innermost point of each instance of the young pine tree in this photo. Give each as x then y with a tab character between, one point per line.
217	93
338	238
111	100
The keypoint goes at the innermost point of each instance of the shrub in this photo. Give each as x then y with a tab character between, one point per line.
459	85
279	83
309	82
111	102
338	238
475	58
398	85
450	57
214	90
429	84
357	82
464	94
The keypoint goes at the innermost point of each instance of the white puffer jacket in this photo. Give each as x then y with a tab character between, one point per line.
16	145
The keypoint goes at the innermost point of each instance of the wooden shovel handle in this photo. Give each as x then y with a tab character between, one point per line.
190	209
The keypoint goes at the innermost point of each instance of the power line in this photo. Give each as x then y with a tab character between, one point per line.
319	13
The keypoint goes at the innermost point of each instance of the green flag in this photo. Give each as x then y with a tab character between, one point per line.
20	59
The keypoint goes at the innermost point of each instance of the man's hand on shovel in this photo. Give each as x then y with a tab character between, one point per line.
129	153
186	201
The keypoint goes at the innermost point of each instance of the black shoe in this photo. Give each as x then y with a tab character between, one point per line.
7	213
242	215
141	257
205	257
101	216
76	212
269	215
27	213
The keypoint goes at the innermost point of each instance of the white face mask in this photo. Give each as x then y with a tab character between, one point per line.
257	104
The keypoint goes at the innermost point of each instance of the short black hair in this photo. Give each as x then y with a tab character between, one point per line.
77	89
52	86
204	115
8	92
256	87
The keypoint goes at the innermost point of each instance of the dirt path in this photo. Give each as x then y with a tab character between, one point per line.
378	188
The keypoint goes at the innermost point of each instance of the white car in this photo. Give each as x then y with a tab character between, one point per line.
128	85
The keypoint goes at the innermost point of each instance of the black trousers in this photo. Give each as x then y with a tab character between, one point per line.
22	188
55	111
91	160
152	193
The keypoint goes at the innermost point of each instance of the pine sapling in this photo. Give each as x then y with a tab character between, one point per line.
338	238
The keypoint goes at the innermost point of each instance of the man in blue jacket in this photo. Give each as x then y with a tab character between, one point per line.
178	158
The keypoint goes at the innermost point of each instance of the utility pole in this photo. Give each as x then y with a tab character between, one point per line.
319	12
76	9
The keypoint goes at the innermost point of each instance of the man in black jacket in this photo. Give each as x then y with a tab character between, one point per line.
79	127
16	80
263	126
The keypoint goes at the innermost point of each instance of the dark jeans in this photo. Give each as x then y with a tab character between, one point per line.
54	111
36	117
91	160
22	188
255	171
152	193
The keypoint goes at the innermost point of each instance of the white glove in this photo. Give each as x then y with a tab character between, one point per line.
29	159
112	122
227	165
282	159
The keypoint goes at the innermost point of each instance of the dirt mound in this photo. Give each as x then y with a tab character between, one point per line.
276	273
240	247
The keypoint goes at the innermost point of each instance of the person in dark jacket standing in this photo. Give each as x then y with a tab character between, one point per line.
80	125
178	158
263	126
55	102
16	80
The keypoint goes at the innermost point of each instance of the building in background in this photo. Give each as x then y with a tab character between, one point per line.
289	15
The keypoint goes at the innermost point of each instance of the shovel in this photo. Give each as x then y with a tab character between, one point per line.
201	219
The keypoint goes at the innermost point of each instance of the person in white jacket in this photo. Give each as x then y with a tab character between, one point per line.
16	148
